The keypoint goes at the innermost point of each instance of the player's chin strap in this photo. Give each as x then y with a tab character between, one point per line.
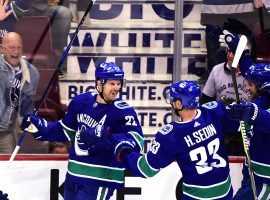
101	94
176	110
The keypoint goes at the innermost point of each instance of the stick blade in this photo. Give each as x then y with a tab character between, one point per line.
239	50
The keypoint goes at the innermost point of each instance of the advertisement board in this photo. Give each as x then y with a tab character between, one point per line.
42	178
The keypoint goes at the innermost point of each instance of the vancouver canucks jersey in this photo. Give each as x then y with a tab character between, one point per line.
84	112
198	148
259	138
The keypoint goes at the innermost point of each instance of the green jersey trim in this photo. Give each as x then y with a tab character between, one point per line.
98	172
261	169
102	192
265	192
138	138
145	168
70	133
18	12
214	191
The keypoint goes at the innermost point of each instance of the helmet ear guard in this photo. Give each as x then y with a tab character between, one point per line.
188	92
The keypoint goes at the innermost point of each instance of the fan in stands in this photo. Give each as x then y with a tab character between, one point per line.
19	82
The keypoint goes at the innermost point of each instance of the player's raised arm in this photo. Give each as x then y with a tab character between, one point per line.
59	131
231	40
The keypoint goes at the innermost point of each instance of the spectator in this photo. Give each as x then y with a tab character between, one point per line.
19	81
60	17
58	148
219	85
10	13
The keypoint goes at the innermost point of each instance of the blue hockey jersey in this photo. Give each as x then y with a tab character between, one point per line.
198	148
259	134
84	112
259	139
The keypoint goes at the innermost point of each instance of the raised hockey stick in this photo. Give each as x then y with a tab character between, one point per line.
55	74
239	50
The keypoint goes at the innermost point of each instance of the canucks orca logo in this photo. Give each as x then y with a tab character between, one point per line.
80	148
121	104
210	105
166	129
183	85
267	68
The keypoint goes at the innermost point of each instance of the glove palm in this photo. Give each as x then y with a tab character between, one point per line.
229	40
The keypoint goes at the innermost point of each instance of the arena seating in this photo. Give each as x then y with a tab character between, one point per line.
37	41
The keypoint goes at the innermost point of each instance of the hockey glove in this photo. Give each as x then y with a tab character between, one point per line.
245	112
3	196
35	125
123	145
95	140
229	40
91	136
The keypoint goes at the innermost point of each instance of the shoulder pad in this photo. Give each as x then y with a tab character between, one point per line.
120	104
166	129
210	105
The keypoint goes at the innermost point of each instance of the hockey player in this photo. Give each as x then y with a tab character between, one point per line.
195	142
258	76
259	92
92	173
259	140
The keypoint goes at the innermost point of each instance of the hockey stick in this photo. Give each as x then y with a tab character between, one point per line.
239	50
55	74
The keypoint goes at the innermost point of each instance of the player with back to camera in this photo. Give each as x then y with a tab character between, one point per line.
195	142
93	172
258	77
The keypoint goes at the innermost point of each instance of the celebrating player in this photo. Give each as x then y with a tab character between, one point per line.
195	142
258	76
92	172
